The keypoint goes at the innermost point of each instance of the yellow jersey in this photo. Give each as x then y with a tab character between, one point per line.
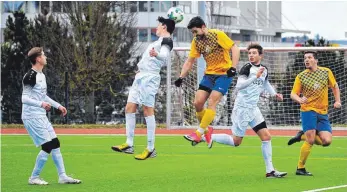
215	48
314	86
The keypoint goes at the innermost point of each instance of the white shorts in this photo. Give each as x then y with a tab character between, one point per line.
144	89
40	130
242	117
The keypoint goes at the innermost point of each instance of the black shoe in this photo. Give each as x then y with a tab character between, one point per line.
296	138
303	172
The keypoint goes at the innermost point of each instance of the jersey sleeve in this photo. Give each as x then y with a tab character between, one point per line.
245	70
224	41
332	80
193	51
297	86
167	42
29	78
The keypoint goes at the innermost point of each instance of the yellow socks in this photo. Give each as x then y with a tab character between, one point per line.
304	153
200	114
207	118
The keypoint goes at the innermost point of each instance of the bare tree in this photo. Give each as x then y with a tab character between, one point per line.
103	45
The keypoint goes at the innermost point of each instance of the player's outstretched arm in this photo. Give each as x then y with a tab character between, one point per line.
235	54
336	92
187	66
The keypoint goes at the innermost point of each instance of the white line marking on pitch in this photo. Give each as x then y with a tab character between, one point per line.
327	188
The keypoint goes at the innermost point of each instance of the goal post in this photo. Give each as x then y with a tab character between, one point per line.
283	64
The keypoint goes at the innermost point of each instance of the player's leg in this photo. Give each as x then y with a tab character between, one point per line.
240	122
54	147
220	88
259	126
309	124
324	130
201	96
130	120
149	89
40	137
300	136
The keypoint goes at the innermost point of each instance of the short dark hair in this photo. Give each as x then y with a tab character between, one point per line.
34	53
197	22
255	46
170	24
314	53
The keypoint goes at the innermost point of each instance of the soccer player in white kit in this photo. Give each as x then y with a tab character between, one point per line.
35	104
252	81
145	87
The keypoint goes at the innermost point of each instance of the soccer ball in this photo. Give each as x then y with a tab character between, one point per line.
176	14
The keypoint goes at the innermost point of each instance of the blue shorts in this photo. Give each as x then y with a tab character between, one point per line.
220	83
313	120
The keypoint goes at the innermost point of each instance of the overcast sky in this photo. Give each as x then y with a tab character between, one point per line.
327	18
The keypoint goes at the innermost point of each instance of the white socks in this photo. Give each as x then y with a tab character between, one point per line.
40	162
130	123
223	139
266	149
150	121
58	161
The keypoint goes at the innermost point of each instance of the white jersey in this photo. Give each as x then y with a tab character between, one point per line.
34	93
250	87
149	64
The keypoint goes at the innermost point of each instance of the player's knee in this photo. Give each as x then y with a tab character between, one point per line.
49	146
237	141
310	141
199	103
326	142
130	108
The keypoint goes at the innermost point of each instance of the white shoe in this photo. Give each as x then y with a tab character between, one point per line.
37	181
69	180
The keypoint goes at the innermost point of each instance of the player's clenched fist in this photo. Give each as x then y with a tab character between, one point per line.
260	71
179	82
231	72
153	53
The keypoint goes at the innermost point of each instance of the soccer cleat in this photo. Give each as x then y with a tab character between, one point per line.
37	181
296	138
275	174
69	180
208	137
123	148
193	137
146	154
303	172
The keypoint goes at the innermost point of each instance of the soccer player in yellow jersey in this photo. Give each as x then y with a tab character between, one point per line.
215	46
313	84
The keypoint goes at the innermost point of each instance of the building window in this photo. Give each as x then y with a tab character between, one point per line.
246	38
185	6
32	7
154	6
124	7
143	6
154	36
221	20
143	35
165	5
133	6
183	35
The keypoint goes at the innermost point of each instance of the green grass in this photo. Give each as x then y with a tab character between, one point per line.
179	167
